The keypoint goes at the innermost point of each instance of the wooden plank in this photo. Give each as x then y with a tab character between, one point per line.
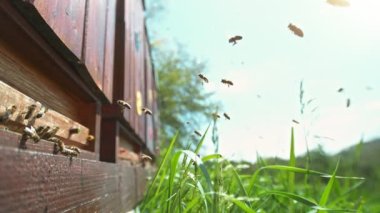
12	139
66	18
26	26
51	118
109	49
40	182
94	40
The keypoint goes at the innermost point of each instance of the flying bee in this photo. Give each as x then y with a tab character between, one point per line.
145	157
297	31
197	133
348	102
146	111
30	111
339	3
8	112
227	116
74	130
215	115
90	138
295	121
203	78
340	90
123	105
228	82
234	39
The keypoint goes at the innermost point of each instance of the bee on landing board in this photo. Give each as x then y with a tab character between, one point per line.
297	31
227	82
30	111
203	78
8	112
234	39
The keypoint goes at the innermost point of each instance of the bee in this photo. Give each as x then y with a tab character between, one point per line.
69	152
147	111
215	115
42	112
203	78
90	138
50	133
74	148
234	39
295	121
41	130
74	130
339	3
340	90
228	82
30	111
8	112
297	31
123	105
197	133
348	102
145	157
30	132
227	116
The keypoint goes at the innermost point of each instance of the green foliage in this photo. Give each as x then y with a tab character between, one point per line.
213	184
182	98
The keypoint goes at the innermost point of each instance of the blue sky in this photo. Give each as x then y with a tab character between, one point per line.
341	48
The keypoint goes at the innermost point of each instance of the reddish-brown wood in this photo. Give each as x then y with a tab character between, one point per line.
66	18
94	39
42	182
109	49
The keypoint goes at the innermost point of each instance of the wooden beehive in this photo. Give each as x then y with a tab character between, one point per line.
76	58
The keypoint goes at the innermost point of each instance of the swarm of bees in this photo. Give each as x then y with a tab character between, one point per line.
297	31
227	82
234	39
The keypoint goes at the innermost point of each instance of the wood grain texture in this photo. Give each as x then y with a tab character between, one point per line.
41	182
27	17
94	40
66	18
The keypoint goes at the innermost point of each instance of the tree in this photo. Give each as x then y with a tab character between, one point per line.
183	103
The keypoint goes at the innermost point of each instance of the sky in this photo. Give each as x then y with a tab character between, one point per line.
340	49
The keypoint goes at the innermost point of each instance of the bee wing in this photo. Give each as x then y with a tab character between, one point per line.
238	37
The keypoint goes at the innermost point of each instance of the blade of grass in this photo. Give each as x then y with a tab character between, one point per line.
328	189
211	157
292	163
292	169
201	141
174	139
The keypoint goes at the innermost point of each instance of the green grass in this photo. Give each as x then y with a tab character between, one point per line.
185	182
